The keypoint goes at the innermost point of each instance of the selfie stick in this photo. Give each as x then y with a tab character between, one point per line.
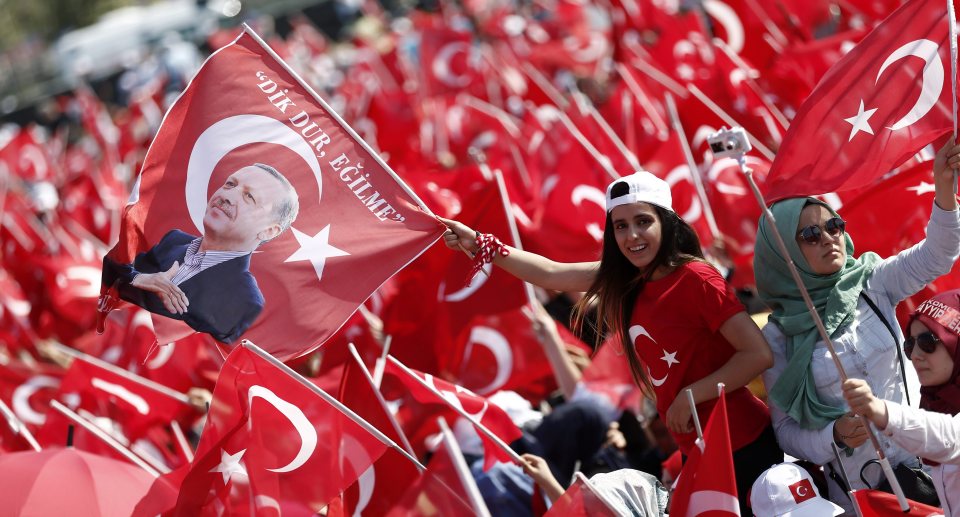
739	154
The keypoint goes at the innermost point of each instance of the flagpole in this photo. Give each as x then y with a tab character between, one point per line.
642	98
952	23
590	488
460	411
512	223
608	131
591	150
181	441
693	413
694	171
785	253
383	403
449	443
126	374
843	472
381	362
329	399
18	427
104	437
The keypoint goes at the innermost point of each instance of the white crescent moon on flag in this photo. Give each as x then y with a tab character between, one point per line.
308	434
123	393
802	491
583	193
933	76
367	480
164	353
712	501
441	64
20	400
228	134
500	347
637	331
475	283
682	172
728	19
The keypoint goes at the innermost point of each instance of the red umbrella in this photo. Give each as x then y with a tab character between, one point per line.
69	482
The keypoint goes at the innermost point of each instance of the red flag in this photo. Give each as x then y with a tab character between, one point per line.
28	391
427	398
707	482
874	503
269	436
384	484
446	488
448	60
581	499
874	109
609	376
104	390
245	107
912	192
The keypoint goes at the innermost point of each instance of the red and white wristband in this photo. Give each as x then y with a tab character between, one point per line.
488	247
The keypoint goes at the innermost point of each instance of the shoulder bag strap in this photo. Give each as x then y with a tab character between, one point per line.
896	343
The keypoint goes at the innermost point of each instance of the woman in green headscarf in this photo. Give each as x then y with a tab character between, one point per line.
856	299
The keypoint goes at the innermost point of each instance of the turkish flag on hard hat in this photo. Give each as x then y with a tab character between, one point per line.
885	100
259	213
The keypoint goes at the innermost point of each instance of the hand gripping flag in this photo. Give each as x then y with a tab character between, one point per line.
707	484
254	194
885	100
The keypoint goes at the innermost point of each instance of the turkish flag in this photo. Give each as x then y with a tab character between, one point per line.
29	390
270	437
449	62
801	491
912	192
874	503
357	225
423	405
24	154
885	100
609	375
709	469
581	499
104	390
443	489
384	484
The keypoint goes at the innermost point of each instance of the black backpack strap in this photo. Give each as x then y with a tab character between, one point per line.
896	343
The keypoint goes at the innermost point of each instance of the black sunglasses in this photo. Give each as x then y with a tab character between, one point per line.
812	234
927	341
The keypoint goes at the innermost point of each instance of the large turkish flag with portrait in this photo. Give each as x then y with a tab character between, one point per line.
208	174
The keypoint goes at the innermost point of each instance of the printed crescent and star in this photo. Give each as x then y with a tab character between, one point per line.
932	86
230	464
669	357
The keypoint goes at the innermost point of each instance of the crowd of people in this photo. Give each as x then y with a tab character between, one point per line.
650	288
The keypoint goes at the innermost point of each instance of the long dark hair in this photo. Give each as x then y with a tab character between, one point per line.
618	282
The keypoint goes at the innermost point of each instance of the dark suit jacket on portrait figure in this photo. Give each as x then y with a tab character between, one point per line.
224	299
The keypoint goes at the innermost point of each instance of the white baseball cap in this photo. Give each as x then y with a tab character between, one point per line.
786	490
643	187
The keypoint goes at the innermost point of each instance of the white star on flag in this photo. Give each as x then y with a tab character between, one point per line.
860	121
316	249
230	465
670	358
923	188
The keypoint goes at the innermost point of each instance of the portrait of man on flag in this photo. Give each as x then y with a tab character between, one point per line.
205	281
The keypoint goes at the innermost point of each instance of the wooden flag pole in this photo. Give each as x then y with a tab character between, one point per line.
821	329
448	442
383	403
104	437
18	427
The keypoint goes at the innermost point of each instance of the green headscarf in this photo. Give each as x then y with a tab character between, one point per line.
834	297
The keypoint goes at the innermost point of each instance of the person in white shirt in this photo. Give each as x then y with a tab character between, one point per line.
933	431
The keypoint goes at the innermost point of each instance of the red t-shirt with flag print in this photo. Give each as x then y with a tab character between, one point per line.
675	328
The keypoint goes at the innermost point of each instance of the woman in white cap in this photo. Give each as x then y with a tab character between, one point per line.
856	299
933	431
680	324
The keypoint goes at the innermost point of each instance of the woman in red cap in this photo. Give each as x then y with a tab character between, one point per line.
678	320
932	432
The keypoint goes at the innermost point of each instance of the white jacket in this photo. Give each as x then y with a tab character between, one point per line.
867	351
934	436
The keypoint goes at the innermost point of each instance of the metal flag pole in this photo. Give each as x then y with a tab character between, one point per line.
104	437
740	156
18	427
843	473
693	413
